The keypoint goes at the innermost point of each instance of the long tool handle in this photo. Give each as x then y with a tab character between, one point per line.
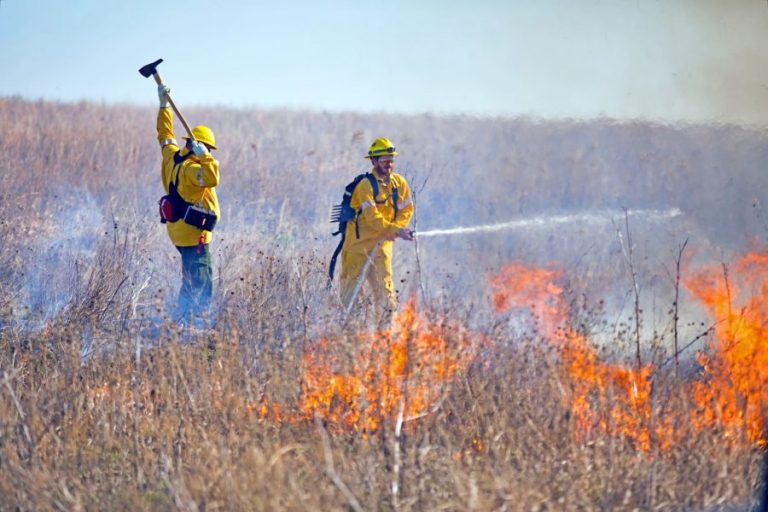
359	282
159	81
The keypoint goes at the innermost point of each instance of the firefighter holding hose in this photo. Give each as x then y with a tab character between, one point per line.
383	208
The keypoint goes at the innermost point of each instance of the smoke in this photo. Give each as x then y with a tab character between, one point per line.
66	241
689	61
728	75
82	238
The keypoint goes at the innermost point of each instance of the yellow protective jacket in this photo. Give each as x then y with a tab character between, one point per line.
197	178
376	220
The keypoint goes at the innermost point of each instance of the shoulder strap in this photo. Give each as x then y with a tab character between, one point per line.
332	266
395	200
177	161
177	158
375	190
374	184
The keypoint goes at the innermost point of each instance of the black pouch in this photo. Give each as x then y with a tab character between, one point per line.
200	218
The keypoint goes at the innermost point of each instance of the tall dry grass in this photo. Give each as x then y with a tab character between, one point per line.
106	405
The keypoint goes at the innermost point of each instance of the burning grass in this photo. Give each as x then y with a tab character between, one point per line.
398	373
449	417
477	399
734	394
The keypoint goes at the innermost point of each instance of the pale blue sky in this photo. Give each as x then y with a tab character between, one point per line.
667	60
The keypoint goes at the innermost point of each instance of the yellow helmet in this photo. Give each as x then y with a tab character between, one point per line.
380	147
205	135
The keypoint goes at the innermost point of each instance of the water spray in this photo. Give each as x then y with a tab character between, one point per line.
592	217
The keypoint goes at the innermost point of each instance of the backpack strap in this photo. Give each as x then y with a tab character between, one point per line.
332	266
375	187
177	161
178	204
395	200
374	184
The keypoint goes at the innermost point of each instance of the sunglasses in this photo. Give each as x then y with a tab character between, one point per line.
389	150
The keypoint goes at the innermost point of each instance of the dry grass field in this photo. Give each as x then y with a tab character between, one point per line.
529	369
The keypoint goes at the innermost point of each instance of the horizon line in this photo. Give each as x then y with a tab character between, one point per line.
527	117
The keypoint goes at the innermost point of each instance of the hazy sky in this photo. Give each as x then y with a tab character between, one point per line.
667	60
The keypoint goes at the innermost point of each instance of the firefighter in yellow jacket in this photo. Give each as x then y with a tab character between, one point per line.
379	221
194	173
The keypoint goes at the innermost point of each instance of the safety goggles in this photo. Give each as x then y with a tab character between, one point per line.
383	151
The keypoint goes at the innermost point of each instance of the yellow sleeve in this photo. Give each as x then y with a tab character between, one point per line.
165	136
404	204
205	174
362	198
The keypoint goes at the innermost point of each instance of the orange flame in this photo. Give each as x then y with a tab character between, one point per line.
735	393
402	374
399	373
607	397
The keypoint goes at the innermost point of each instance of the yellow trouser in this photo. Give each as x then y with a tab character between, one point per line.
379	277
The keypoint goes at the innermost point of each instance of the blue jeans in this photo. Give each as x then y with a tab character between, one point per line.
196	282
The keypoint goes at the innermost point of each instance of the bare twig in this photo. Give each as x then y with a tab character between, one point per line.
419	274
137	293
688	345
677	301
359	282
728	292
399	437
436	407
397	454
112	298
183	379
177	488
629	257
415	192
304	304
19	410
330	469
